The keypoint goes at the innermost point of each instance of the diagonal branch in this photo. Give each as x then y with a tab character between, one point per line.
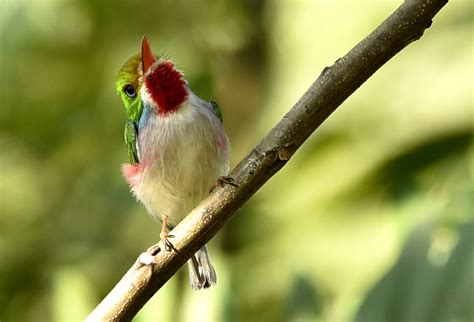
332	87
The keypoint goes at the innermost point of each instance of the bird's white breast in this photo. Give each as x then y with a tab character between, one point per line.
182	155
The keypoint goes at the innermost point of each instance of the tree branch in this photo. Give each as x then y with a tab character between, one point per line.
332	87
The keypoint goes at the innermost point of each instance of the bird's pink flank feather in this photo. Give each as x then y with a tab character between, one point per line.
133	173
223	142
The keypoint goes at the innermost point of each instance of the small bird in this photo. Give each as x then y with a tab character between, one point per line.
177	146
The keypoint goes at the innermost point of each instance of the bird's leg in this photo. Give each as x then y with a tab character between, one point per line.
146	258
224	180
164	235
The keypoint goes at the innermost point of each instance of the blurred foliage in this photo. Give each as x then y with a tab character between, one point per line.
371	220
424	284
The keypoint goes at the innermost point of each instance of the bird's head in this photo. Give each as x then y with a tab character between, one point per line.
164	87
128	83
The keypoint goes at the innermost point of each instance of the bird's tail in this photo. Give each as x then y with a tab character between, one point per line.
201	272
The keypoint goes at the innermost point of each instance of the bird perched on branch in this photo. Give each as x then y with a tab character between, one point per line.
176	145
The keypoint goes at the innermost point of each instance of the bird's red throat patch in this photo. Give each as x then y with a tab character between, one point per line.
166	87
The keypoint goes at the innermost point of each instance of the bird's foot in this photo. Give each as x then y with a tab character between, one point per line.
224	180
168	245
164	235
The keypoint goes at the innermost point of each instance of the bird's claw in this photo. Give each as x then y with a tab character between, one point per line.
224	180
168	245
228	180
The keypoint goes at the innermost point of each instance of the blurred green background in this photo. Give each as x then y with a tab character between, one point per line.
372	220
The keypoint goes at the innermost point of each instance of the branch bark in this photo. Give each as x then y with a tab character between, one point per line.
332	87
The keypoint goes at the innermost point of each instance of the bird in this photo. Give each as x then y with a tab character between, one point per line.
177	147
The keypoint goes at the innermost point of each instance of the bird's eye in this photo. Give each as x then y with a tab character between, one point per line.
129	91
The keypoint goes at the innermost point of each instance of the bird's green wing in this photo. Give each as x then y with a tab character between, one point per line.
216	109
131	136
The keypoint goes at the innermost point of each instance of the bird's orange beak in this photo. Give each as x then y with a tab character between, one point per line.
148	58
